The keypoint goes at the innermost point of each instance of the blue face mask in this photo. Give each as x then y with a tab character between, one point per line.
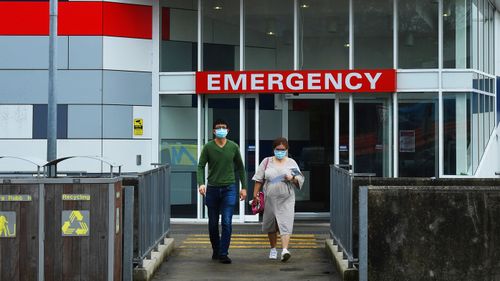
280	154
220	133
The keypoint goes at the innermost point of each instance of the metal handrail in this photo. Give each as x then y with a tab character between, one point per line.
39	163
98	158
154	210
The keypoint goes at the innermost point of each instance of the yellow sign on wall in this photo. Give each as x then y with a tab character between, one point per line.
75	223
7	224
138	127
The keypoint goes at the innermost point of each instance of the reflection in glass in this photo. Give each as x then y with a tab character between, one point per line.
455	27
457	134
373	22
372	136
221	35
268	34
418	34
418	131
179	33
178	146
324	34
311	139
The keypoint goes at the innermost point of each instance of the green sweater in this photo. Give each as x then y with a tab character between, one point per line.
222	163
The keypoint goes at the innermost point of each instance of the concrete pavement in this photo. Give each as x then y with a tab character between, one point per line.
191	258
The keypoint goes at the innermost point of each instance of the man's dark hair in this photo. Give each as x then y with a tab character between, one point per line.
220	122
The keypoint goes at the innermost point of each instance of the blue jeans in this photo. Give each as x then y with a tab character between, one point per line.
220	200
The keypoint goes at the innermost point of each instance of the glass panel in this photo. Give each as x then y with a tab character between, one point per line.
480	39
491	22
344	132
373	21
372	135
418	134
492	115
324	34
457	134
311	139
418	34
455	27
269	34
481	126
250	150
486	120
474	29
221	35
475	131
178	146
179	33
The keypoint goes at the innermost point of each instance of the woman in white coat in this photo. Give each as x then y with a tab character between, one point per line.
279	175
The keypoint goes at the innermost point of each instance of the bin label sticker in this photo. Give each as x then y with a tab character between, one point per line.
75	223
15	197
138	127
76	197
7	224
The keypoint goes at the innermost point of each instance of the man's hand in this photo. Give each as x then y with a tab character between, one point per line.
243	194
202	189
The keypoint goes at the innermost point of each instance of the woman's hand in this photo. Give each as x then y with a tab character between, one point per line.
256	198
289	177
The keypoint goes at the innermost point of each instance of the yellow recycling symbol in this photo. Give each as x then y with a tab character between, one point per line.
75	224
4	228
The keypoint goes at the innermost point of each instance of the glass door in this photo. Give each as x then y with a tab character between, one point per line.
227	108
311	144
178	146
373	134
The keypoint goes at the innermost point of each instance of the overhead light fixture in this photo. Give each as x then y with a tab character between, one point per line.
217	5
347	45
304	5
270	28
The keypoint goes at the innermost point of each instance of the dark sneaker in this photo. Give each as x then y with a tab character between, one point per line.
224	259
215	256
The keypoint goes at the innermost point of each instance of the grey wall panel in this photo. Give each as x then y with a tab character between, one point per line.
31	86
117	122
40	121
84	121
125	87
80	86
23	86
85	52
30	52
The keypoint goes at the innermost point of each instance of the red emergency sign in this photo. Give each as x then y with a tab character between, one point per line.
302	81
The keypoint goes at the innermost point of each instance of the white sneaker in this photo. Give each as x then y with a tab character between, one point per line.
285	255
273	254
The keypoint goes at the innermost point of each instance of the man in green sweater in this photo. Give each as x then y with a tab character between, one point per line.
223	158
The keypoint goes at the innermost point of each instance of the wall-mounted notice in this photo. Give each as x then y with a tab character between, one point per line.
407	141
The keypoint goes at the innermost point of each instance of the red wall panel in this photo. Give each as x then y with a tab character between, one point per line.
77	18
80	18
24	18
125	20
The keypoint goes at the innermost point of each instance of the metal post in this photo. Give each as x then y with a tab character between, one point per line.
52	102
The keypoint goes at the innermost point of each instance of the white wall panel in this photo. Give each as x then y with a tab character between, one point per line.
457	80
21	148
127	54
143	112
125	152
178	83
417	80
80	148
16	121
